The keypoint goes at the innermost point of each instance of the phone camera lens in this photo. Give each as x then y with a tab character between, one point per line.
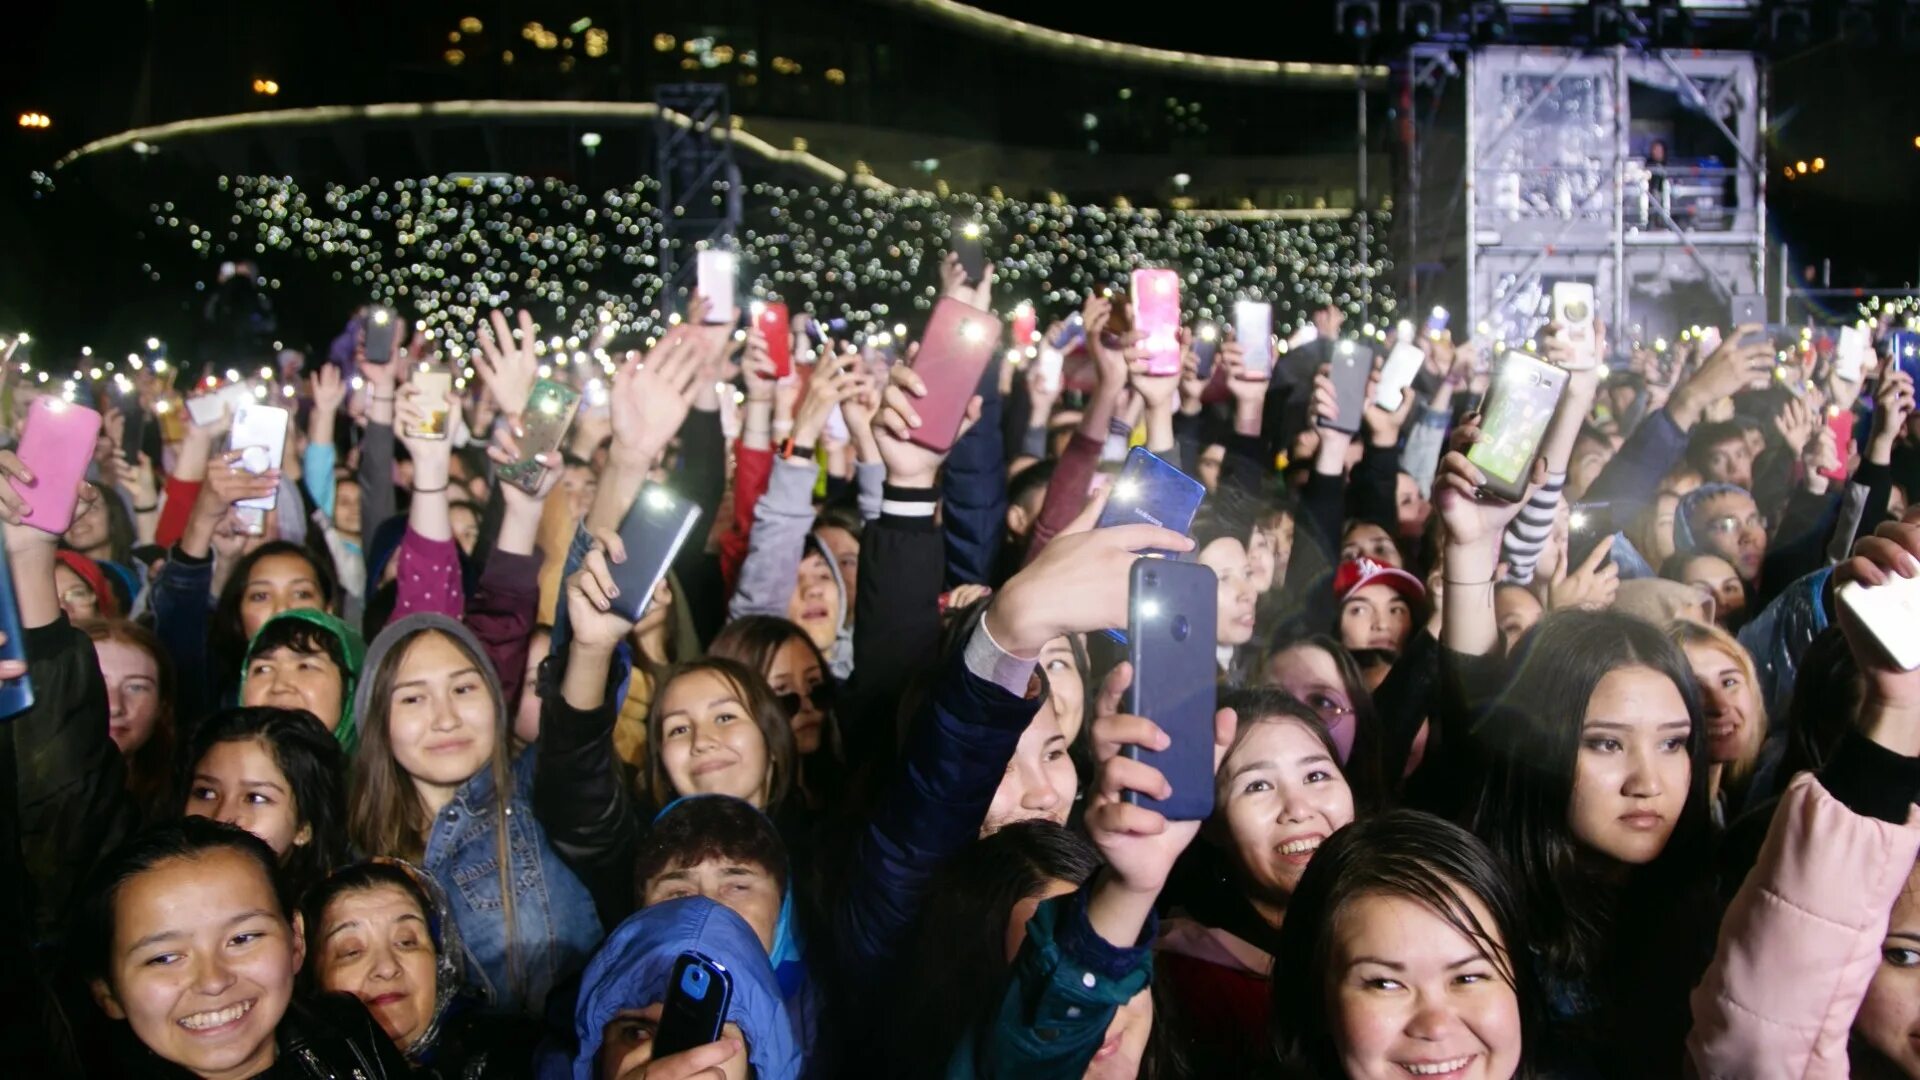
1150	578
1181	628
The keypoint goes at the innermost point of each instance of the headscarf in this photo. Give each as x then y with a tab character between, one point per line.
352	649
449	958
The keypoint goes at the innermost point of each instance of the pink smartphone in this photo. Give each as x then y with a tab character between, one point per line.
1156	313
954	354
56	448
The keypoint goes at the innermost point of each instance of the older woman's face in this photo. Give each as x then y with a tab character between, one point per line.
376	945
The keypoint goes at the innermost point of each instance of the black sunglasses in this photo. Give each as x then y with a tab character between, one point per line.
821	696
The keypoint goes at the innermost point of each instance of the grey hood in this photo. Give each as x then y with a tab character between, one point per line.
403	630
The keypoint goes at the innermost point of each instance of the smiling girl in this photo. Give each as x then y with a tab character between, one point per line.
715	729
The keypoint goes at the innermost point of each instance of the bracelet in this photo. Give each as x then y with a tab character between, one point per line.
431	491
377	397
1465	584
146	509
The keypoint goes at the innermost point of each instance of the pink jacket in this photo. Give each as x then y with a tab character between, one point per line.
1801	941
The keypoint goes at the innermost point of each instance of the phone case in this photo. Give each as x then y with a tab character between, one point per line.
260	434
1749	308
171	414
16	695
969	243
1352	367
954	354
1889	612
656	526
1518	409
1206	347
1573	310
56	447
715	272
206	408
1156	313
699	993
1403	363
434	386
1026	324
1170	640
1052	364
1253	329
1149	491
549	413
1071	334
1842	424
383	331
772	321
1904	347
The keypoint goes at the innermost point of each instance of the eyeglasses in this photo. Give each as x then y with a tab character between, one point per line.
79	594
821	697
1730	524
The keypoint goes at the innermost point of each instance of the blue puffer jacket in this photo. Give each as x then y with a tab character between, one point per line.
632	969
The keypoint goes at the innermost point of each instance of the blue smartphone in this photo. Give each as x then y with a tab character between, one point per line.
16	695
1206	346
655	528
1071	334
699	993
1904	346
1170	631
1151	491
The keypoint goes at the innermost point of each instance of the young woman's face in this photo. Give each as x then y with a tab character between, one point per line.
1889	1016
748	889
375	944
1283	794
709	744
1312	676
845	549
202	963
441	714
346	507
275	584
1517	611
1410	507
240	783
626	1046
815	604
133	693
1412	996
1369	541
795	669
288	679
466	526
1066	693
1729	700
1039	782
88	530
1227	558
1260	560
77	598
1278	530
1718	578
1631	773
1375	617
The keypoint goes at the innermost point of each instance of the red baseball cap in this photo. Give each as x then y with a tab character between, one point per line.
1355	574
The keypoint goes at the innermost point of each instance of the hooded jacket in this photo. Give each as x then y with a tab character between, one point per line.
555	924
782	536
352	648
632	970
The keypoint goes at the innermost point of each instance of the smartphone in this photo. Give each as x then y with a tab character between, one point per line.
1149	491
382	333
714	273
1156	313
260	434
1352	367
1840	422
1253	329
1888	613
596	398
16	695
1025	326
1437	320
56	446
206	408
171	414
771	319
699	992
1518	409
1206	347
1119	320
1587	525
1573	311
434	386
1403	363
954	354
969	244
548	415
1071	334
1748	308
1904	347
656	526
1170	640
134	435
1052	363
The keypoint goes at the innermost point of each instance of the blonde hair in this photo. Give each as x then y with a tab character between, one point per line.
1684	633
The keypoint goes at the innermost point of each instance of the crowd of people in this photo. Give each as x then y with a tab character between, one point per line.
1599	782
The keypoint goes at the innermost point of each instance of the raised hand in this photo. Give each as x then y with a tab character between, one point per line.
1473	519
1795	423
651	396
412	413
1890	713
837	378
1589	585
591	592
908	463
507	367
1892	405
953	283
328	389
1744	359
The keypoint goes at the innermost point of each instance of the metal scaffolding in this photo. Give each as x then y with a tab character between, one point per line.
700	196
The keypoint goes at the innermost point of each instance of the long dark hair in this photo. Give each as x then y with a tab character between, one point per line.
228	633
754	640
751	691
1576	917
316	770
1409	855
1367	755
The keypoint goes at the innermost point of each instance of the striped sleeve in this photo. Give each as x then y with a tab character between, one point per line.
1527	535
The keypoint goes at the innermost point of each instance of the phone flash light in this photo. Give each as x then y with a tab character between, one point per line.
1209	332
358	382
1149	609
24	338
971	230
658	500
548	406
1346	347
286	391
260	392
1126	490
972	331
161	407
545	370
380	317
1833	410
1577	520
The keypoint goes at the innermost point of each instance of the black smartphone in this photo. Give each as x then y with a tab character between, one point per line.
1587	525
698	994
1518	410
383	330
1352	366
658	524
16	695
1749	309
969	244
1171	611
135	435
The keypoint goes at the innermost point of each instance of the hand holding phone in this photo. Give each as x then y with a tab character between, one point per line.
715	274
1157	315
1352	367
1253	329
771	319
954	353
544	422
260	435
699	993
382	333
431	388
1574	313
969	245
1518	410
1171	626
56	447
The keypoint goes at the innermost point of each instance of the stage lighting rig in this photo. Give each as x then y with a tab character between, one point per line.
1419	19
1357	19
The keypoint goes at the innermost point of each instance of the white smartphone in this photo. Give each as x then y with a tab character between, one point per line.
1052	363
1573	310
434	386
1888	612
836	429
715	272
1403	363
260	434
205	408
1850	355
1253	329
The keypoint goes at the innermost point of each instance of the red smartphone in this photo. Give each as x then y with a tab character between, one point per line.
56	447
954	354
1156	313
1025	322
771	320
1841	423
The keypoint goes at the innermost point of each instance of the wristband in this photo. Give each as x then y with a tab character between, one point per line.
146	509
793	451
431	491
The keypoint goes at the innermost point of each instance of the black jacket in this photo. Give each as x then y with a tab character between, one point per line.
324	1037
